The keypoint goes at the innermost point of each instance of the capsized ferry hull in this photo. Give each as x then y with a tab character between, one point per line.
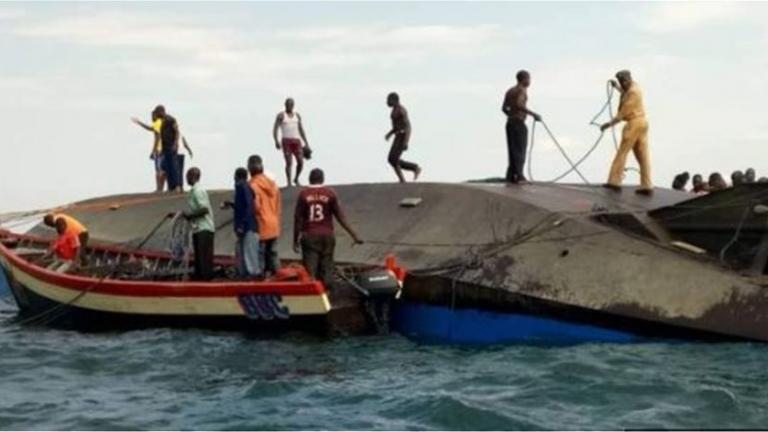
581	255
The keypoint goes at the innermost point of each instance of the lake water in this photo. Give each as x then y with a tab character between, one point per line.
193	379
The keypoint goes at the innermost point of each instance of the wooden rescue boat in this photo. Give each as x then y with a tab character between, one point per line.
120	288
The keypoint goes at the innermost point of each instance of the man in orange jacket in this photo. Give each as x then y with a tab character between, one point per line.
74	228
268	204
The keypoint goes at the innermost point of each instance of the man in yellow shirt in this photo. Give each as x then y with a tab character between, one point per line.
634	137
156	153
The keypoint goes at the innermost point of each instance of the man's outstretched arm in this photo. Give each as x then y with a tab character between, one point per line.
142	124
342	218
186	146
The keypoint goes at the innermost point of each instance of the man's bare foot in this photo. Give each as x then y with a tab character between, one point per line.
416	173
646	192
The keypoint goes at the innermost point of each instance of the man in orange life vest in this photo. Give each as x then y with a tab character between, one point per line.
66	248
313	232
73	227
268	208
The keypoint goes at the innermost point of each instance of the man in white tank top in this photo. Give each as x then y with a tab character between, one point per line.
292	131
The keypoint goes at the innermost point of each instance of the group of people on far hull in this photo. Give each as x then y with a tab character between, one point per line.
715	181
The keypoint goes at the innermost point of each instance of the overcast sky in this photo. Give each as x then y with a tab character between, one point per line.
73	74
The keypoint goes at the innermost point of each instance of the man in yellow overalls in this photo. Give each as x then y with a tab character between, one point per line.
634	137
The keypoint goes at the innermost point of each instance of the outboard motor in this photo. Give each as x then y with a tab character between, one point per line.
380	288
379	283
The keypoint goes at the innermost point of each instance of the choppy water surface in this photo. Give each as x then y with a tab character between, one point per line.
175	379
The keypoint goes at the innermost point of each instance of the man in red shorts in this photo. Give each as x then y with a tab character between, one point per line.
292	131
313	233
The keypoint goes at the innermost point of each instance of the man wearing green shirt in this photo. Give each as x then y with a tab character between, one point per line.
200	216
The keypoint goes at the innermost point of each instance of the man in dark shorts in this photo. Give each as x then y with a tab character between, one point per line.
401	130
293	140
313	232
516	109
169	142
180	161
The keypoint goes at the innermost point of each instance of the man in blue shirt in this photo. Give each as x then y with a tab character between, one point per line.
246	227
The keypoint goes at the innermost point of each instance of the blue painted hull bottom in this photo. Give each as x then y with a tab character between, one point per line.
441	324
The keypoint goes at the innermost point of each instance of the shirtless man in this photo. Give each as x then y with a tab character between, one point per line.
292	131
515	107
401	130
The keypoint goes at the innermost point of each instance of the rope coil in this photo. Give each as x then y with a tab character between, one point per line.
574	167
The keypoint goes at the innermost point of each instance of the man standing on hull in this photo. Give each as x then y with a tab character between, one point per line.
515	107
268	208
292	130
313	231
401	130
634	137
157	147
169	142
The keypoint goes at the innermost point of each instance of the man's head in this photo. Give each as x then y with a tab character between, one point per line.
393	99
624	77
523	78
698	180
316	177
193	176
61	225
749	175
49	221
241	174
680	181
255	165
158	112
289	105
716	181
737	177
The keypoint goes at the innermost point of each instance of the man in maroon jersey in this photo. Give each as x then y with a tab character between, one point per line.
316	207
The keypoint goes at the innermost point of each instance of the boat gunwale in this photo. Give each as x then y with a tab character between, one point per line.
119	287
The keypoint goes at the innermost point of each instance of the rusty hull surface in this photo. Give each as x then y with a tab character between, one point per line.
538	244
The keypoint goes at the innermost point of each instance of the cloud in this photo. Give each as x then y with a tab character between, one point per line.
129	30
203	54
12	13
379	36
25	84
672	17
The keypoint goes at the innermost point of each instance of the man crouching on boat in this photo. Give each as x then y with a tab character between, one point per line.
74	227
200	215
316	207
66	248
